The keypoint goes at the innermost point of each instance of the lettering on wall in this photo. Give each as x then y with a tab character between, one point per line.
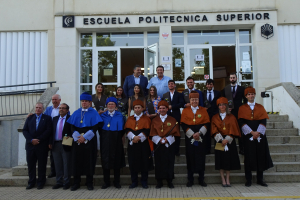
175	18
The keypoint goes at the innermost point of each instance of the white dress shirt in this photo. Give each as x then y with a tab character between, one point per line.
137	117
111	113
163	118
251	105
223	115
55	111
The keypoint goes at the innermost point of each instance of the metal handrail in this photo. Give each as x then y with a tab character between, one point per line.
42	83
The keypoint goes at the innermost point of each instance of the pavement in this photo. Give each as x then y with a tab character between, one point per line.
180	192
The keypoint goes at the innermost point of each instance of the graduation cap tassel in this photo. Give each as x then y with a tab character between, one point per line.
165	136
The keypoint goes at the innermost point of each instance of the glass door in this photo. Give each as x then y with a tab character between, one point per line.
151	60
107	68
200	65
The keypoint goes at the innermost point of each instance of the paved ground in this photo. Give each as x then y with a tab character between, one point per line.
213	191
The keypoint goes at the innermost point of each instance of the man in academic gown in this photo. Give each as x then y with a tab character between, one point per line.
111	145
195	122
137	128
84	124
210	99
235	95
175	102
163	131
253	120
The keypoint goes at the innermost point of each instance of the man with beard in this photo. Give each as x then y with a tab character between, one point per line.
163	131
235	95
111	145
190	83
137	128
253	120
84	124
195	122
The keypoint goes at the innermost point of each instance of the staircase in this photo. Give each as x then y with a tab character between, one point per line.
284	144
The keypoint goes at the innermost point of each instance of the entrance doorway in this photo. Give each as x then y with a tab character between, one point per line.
130	58
224	63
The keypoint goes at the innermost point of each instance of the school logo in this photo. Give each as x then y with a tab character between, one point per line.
165	35
68	21
267	31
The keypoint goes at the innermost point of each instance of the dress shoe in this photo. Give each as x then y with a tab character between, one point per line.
56	186
67	186
145	185
133	185
75	187
262	183
170	185
228	185
51	175
159	185
30	186
189	184
224	185
117	185
90	187
202	183
39	187
105	186
248	183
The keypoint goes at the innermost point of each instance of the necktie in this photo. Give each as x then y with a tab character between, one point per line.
37	122
60	128
233	91
209	96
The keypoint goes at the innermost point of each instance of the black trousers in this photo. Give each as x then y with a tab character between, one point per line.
52	163
39	155
259	175
89	180
106	174
191	176
134	177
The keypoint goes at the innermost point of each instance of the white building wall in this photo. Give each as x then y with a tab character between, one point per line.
23	58
289	53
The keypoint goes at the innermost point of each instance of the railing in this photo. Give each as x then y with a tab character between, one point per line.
20	102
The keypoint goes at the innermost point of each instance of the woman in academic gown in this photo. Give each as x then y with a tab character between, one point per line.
195	122
224	128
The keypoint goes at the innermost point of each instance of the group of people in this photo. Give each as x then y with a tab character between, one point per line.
148	114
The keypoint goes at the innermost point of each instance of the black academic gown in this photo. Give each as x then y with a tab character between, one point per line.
139	154
111	148
195	155
84	155
257	154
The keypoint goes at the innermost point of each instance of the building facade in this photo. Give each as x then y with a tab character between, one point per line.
78	43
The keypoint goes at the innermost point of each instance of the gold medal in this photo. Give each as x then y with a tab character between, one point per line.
251	117
224	128
81	121
199	116
162	130
168	124
136	128
194	120
108	125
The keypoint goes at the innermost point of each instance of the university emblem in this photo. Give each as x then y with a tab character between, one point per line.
267	31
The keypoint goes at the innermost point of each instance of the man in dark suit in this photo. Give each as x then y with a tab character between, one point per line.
235	95
37	130
210	98
175	102
61	153
136	78
190	83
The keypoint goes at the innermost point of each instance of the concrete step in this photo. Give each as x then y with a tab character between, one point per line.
279	125
276	157
179	169
278	118
180	179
